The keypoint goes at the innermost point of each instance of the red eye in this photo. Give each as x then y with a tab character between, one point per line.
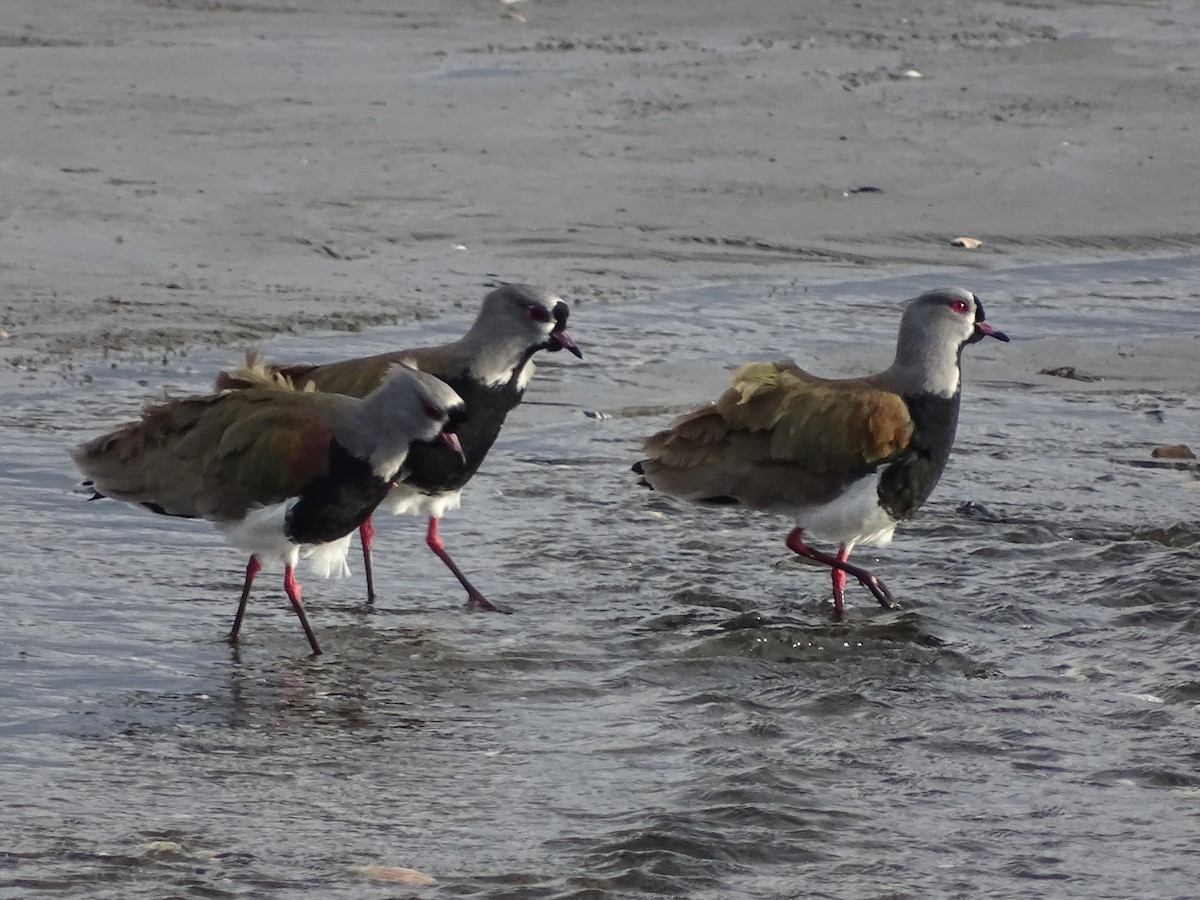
960	306
539	314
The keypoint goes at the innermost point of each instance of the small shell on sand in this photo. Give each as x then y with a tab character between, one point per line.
395	874
969	243
911	73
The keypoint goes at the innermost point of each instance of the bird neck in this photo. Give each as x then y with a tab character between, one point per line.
498	359
918	369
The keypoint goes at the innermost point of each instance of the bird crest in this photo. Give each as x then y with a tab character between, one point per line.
753	378
254	372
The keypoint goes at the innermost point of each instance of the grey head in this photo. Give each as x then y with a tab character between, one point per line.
933	330
406	408
516	321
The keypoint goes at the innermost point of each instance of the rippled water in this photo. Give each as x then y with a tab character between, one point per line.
670	711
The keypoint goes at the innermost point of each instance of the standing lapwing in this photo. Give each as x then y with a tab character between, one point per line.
847	458
277	471
490	367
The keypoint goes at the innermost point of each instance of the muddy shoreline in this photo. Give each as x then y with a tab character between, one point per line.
183	172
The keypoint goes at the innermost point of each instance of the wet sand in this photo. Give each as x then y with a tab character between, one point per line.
183	172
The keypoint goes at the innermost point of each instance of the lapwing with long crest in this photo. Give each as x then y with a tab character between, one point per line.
281	473
490	367
847	459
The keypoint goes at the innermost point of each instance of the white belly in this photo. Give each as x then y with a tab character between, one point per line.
853	518
404	498
263	533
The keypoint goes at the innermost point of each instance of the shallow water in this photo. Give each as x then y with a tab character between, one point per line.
670	711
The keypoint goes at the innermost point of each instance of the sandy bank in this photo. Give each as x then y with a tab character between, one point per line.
188	171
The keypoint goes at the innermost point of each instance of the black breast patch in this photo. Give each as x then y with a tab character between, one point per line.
332	506
910	478
433	467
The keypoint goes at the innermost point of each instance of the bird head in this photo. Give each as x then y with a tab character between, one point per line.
440	413
531	315
408	408
948	317
933	330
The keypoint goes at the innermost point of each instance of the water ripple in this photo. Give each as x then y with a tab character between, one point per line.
671	710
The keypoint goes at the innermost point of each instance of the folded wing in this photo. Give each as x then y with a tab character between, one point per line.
215	457
778	436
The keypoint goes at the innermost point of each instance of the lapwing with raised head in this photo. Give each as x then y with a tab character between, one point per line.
281	473
490	367
848	459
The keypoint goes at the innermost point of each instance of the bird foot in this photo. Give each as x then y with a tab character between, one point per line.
476	602
875	585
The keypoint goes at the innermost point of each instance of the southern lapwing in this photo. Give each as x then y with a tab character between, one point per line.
490	367
279	472
847	458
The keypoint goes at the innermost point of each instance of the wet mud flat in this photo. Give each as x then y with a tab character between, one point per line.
670	711
179	172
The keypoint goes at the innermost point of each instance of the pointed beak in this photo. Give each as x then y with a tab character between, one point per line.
983	329
450	439
560	340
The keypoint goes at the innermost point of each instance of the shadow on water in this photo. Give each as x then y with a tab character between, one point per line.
671	711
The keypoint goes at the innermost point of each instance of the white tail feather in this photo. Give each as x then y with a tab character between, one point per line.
329	560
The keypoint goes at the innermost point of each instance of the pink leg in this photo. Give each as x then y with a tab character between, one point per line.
839	583
292	586
869	580
366	534
252	569
475	600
